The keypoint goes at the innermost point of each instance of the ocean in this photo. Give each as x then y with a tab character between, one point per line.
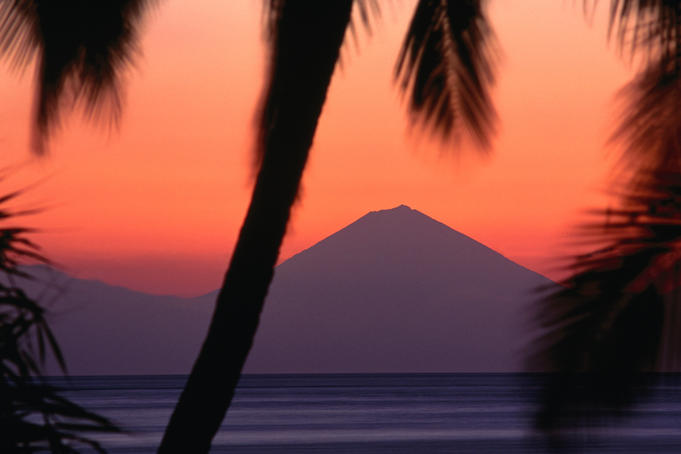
366	413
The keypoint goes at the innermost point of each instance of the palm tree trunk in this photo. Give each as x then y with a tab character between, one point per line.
308	35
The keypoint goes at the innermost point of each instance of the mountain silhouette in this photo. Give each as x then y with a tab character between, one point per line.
106	329
395	291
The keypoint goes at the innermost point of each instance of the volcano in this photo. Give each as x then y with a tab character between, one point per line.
396	291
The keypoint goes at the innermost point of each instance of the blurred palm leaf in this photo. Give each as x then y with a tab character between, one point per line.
647	27
616	317
82	47
447	65
650	127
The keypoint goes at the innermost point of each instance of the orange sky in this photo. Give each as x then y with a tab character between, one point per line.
157	204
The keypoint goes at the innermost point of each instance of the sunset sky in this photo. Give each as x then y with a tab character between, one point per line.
156	204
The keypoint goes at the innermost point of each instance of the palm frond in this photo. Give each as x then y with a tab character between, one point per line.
650	127
616	317
33	416
447	66
648	26
82	50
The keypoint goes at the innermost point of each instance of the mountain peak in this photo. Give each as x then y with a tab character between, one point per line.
399	228
400	209
402	235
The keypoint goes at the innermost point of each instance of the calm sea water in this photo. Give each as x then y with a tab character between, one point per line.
395	413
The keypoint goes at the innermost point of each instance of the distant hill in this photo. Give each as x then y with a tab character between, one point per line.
104	329
395	291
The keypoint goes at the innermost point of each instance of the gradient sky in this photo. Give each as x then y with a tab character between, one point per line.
156	204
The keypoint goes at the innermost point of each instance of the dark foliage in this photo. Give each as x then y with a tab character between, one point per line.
33	416
645	27
447	65
616	318
650	127
82	47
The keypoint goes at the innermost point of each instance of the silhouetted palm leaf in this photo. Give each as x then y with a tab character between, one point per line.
82	49
648	27
618	314
650	128
447	64
33	416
